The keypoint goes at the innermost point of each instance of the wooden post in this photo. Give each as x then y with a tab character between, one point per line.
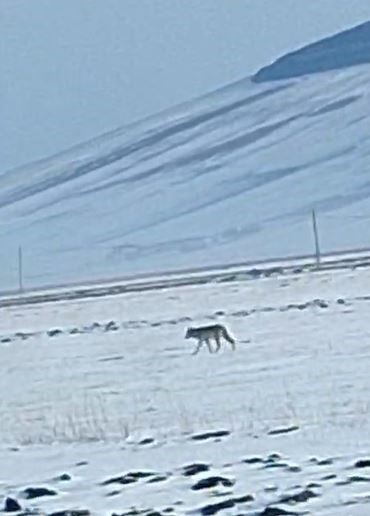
20	269
316	237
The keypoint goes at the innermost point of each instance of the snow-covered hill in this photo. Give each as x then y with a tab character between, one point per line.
231	176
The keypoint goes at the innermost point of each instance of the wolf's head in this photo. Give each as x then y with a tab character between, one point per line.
189	333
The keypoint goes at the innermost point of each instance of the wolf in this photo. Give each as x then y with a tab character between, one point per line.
204	334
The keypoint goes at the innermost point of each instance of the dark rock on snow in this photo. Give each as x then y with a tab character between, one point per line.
194	469
11	505
209	482
38	492
210	435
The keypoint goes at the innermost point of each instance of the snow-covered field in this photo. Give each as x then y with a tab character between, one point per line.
103	403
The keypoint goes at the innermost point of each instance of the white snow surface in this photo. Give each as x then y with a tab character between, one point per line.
82	399
230	176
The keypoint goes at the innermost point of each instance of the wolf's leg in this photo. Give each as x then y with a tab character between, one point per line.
208	342
200	342
229	339
232	343
218	342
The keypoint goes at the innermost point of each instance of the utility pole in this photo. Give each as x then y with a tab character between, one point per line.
20	269
316	237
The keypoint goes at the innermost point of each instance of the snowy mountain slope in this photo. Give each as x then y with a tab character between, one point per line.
230	176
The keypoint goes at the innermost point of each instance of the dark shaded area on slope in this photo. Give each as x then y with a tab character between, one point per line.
337	202
195	121
336	105
201	155
147	141
346	49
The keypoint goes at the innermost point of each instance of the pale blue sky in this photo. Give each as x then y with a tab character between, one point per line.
72	69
